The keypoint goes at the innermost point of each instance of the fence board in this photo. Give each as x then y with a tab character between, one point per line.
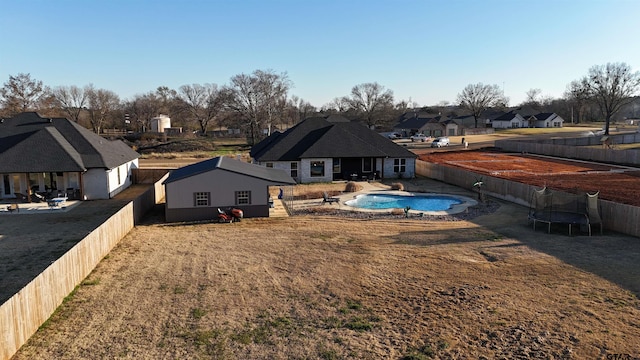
27	310
621	218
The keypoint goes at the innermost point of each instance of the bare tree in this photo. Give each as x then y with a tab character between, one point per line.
167	97
611	86
577	95
337	105
203	103
371	101
21	93
101	103
257	99
71	99
143	108
297	109
478	97
533	96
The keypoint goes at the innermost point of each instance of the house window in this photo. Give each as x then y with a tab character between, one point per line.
399	165
201	199
556	124
294	170
243	197
367	164
337	166
7	184
317	169
269	165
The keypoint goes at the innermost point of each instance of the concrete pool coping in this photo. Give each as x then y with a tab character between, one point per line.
455	209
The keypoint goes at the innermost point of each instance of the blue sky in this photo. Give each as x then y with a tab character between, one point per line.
426	51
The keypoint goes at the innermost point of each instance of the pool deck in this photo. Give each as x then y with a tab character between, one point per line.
455	209
421	187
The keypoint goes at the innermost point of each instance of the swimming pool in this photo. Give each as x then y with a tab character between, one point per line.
430	203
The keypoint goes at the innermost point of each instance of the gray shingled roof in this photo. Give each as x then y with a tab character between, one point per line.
317	137
31	143
506	116
543	116
275	176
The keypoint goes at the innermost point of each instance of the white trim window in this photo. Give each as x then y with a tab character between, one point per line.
317	169
294	170
243	197
201	199
399	165
337	166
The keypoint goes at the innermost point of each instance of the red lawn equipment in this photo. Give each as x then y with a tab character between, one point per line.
230	215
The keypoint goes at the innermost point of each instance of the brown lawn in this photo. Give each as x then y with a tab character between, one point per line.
320	287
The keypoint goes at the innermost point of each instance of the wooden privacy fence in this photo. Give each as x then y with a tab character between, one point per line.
23	313
583	148
617	217
27	310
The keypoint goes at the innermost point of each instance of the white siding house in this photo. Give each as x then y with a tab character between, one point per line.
333	148
54	156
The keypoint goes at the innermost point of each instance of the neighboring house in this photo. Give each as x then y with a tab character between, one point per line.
468	121
509	120
196	191
420	123
56	155
451	127
323	149
545	120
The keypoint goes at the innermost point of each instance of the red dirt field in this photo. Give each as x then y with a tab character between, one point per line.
615	183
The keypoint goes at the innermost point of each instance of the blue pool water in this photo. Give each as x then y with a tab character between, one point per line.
415	202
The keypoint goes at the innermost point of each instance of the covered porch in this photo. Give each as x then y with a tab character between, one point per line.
40	186
356	169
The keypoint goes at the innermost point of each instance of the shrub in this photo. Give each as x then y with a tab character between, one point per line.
397	186
352	187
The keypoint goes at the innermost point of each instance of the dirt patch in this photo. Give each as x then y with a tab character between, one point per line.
615	183
328	287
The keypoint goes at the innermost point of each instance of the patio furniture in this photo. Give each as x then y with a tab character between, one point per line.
21	197
56	202
13	207
330	200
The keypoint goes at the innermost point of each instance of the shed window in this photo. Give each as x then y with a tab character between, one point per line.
399	165
243	197
201	199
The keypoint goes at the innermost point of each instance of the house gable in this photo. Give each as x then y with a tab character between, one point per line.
39	139
319	138
221	179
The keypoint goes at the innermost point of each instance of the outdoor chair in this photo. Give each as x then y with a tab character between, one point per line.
330	200
13	207
21	197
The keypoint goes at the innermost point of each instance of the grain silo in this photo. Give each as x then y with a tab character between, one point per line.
159	123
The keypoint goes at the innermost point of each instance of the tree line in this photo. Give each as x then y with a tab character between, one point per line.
262	100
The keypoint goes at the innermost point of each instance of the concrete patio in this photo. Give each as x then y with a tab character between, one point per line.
37	207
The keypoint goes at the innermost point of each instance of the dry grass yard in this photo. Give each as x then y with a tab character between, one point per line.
331	287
